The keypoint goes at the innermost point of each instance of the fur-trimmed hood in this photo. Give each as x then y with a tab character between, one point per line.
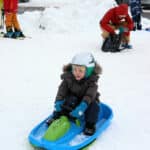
97	69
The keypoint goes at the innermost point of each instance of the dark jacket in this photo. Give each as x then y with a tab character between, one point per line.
85	89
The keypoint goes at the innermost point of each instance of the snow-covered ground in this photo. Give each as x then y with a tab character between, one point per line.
30	74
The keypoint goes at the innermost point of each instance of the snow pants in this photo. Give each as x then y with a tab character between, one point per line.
11	21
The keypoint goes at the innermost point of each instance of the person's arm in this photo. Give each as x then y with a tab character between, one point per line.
105	21
62	91
91	92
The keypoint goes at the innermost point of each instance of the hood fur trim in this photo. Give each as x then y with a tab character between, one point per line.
97	69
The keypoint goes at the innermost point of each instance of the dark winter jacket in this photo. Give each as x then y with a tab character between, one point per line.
112	17
136	10
85	89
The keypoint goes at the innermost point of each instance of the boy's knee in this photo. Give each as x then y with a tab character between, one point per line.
105	34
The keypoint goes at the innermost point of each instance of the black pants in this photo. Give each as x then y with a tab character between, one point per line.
137	19
92	112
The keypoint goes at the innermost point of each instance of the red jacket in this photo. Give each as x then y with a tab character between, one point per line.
10	6
113	16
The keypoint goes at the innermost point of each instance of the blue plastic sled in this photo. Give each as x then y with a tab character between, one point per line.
74	139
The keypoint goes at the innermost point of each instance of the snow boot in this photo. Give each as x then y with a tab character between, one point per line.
89	129
18	34
9	33
49	121
134	27
139	26
126	45
55	116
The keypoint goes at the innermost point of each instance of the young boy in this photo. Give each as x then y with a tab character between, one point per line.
12	25
117	18
79	91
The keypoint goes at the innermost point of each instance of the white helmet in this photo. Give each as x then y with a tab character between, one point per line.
84	59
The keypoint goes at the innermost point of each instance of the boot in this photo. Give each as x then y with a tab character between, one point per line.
139	26
126	45
89	129
49	121
134	27
9	33
55	116
18	34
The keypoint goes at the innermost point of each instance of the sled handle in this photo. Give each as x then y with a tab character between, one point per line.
73	119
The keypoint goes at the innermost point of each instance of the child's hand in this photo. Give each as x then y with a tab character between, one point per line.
79	110
58	105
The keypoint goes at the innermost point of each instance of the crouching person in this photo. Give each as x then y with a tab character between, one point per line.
79	90
117	18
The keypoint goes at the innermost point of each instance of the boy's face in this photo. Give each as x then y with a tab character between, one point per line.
78	72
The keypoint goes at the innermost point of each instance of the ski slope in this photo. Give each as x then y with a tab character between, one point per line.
30	74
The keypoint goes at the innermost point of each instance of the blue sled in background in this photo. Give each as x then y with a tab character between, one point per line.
73	138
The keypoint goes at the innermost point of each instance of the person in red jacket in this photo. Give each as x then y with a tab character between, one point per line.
12	25
117	18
